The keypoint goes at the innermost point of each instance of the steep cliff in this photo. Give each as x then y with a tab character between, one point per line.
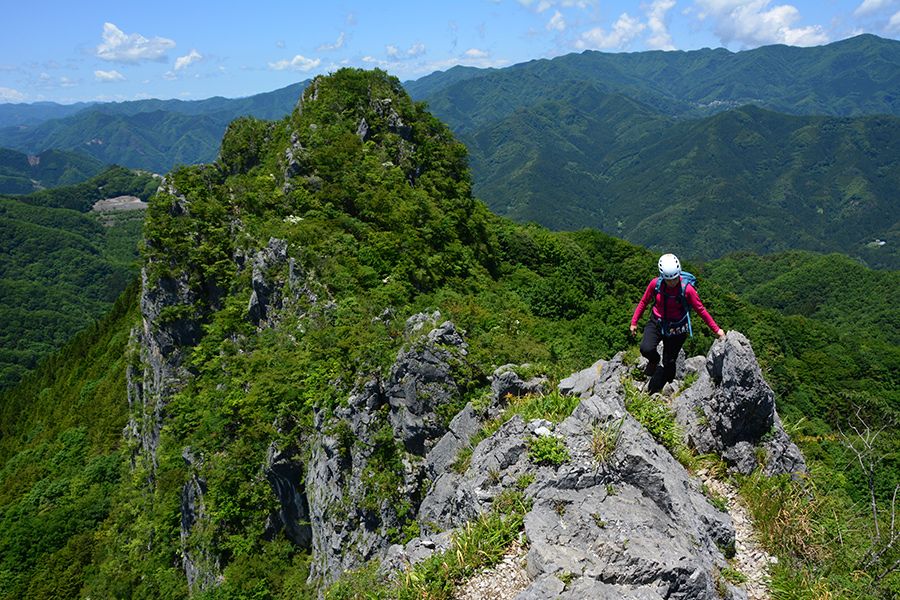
295	392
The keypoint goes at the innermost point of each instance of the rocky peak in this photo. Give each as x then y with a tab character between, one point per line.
730	410
375	461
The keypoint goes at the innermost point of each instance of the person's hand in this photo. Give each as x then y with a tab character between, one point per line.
633	330
721	333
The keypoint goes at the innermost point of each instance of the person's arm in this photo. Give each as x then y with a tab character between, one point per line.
643	304
691	294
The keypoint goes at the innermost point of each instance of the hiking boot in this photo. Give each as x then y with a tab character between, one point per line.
671	388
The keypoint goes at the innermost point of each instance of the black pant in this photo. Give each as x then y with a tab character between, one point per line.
671	346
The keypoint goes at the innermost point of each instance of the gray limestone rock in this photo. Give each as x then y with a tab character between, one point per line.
730	410
284	472
266	296
398	418
636	526
421	380
200	566
506	382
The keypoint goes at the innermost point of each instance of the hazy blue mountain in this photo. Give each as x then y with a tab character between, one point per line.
154	135
37	112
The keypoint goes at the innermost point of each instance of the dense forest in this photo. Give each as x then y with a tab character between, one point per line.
381	223
64	266
21	174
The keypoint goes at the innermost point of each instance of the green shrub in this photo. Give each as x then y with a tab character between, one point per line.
547	450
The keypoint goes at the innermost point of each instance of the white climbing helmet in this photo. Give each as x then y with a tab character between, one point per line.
669	266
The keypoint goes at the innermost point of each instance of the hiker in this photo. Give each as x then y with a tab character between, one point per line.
670	318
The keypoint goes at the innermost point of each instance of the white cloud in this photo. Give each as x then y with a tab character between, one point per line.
45	81
279	44
543	5
298	63
11	95
414	51
108	76
556	22
894	23
873	7
623	33
131	49
330	47
658	21
186	61
476	53
754	23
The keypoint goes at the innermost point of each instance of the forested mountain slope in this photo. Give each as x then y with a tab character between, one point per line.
746	179
831	289
857	76
22	174
63	266
292	293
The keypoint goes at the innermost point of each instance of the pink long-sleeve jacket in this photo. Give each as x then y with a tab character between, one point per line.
667	305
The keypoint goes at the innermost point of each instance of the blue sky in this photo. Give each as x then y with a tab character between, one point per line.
105	50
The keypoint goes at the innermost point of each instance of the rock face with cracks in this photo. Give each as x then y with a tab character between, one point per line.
730	410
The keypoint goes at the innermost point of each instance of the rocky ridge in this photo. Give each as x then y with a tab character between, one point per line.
636	525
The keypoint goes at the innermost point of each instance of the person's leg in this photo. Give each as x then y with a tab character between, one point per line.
671	347
649	342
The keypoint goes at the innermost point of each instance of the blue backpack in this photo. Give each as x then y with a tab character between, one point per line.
683	325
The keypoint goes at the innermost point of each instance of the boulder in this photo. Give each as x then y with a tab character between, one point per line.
730	410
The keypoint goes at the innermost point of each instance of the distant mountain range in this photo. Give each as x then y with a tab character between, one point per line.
154	135
23	174
701	152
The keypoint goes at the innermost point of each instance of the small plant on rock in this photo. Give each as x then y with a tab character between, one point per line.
657	416
524	481
547	450
604	438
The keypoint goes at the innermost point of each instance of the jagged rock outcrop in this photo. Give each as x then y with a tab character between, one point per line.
730	410
166	329
266	296
368	466
636	525
158	373
201	567
284	472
